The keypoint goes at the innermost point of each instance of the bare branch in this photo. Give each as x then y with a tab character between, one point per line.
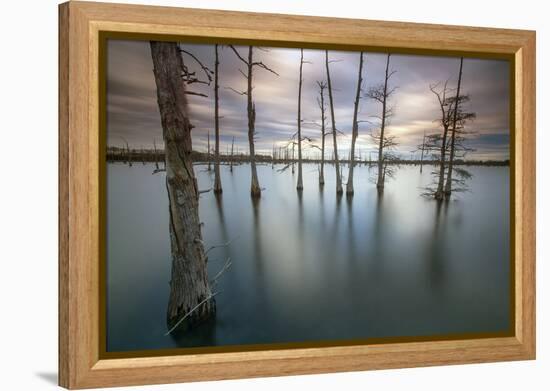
238	54
220	245
196	93
190	312
262	65
204	68
235	91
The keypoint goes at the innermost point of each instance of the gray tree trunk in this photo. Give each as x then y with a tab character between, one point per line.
300	184
449	183
208	152
441	180
189	281
381	174
355	127
217	178
422	155
255	190
232	154
339	189
323	135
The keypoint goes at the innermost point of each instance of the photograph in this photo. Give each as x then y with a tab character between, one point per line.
277	197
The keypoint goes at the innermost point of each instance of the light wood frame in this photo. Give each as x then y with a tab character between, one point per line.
80	24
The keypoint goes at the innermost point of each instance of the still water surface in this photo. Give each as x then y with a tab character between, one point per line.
314	267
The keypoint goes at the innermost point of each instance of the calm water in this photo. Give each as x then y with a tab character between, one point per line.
313	267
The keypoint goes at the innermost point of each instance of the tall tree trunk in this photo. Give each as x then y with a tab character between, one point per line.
381	174
322	172
339	189
293	159
449	183
439	192
208	152
232	154
255	190
189	281
300	185
217	178
355	127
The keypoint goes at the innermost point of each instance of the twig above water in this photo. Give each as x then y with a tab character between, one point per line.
190	312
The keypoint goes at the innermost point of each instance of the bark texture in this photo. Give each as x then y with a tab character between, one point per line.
381	166
255	190
217	178
339	189
300	184
321	102
355	127
189	281
449	183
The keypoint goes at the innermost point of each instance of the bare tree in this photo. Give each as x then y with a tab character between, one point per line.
217	179
460	117
208	153
381	94
190	295
440	141
300	184
355	126
255	190
334	130
321	102
128	152
453	119
293	154
453	132
232	154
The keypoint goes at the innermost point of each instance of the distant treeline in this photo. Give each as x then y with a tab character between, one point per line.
117	154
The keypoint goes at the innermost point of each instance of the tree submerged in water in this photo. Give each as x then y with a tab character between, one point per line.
449	145
381	94
191	298
255	190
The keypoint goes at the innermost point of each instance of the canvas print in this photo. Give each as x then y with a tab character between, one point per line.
272	196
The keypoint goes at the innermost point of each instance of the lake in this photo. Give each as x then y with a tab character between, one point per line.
313	266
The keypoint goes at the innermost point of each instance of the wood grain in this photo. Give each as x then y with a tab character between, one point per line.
80	166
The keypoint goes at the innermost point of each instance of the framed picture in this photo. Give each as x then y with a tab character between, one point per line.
247	195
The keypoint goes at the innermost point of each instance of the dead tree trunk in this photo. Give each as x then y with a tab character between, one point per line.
321	102
448	184
300	184
334	141
156	155
189	284
255	190
293	159
217	178
355	127
381	176
208	152
446	109
232	154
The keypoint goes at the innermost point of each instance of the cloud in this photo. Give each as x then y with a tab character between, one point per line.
132	111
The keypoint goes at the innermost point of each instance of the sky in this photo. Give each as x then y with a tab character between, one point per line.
132	111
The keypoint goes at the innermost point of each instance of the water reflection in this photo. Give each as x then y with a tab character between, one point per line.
436	245
390	264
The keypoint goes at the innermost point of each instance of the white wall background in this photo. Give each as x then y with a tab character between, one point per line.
28	194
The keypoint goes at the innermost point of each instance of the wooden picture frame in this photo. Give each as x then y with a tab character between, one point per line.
81	25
